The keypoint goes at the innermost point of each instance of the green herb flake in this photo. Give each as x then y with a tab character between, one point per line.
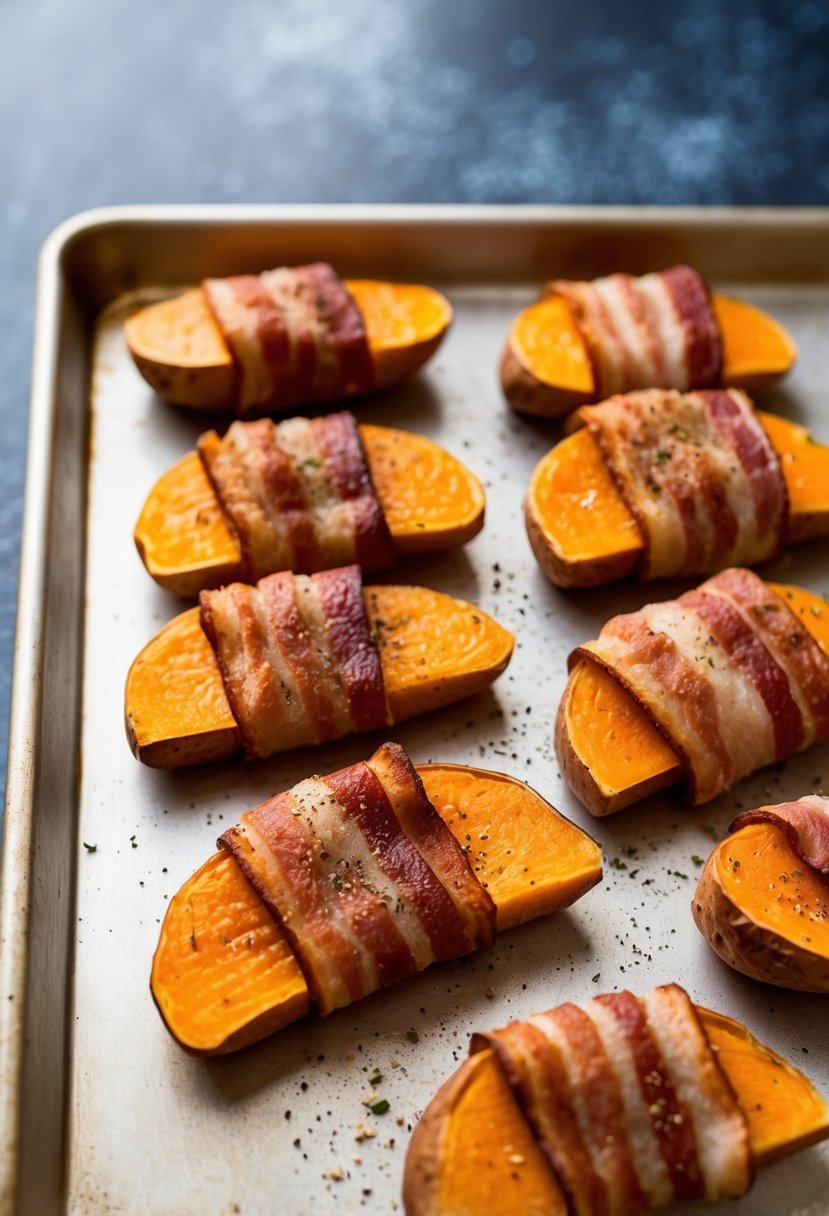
696	859
597	977
375	1077
379	1108
412	1036
336	882
710	830
311	463
90	848
815	610
618	864
678	873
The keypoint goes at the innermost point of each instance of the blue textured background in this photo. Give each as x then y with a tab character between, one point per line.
113	101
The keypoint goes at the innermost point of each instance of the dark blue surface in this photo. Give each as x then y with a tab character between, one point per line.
113	101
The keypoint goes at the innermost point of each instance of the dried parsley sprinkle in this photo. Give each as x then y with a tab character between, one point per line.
375	1077
597	977
618	864
336	882
412	1036
379	1108
90	848
710	830
696	859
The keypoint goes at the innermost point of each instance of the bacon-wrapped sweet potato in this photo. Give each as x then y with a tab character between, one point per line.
303	495
351	881
707	688
608	1109
762	900
255	344
657	484
300	660
584	341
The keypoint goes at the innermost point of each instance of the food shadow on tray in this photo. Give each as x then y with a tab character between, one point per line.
445	1003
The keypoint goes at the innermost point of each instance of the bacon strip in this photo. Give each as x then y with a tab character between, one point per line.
295	334
341	870
627	1102
298	495
727	673
656	331
788	640
719	1125
297	659
805	824
699	475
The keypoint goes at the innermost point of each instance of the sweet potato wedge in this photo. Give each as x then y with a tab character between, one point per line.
611	754
430	501
180	351
224	974
764	911
473	1154
433	650
583	534
546	369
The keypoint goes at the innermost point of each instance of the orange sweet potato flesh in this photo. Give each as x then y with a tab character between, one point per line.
546	369
472	1153
583	535
764	911
430	501
180	351
434	649
224	974
610	752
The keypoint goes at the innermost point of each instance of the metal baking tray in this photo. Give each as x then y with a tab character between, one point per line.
100	1111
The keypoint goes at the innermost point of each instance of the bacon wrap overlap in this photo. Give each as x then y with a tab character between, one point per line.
728	673
297	658
295	334
626	1100
656	331
298	495
364	876
805	823
698	474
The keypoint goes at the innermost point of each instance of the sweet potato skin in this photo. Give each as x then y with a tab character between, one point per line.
753	949
529	395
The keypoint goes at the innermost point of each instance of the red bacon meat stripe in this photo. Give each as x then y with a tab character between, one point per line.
627	1102
727	673
787	639
297	659
699	475
656	331
362	905
295	334
805	823
298	495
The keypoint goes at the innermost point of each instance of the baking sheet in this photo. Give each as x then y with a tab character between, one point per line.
147	1129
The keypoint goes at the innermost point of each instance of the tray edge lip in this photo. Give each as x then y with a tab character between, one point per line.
25	708
27	670
239	214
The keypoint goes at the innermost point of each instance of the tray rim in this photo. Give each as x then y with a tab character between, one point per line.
16	863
